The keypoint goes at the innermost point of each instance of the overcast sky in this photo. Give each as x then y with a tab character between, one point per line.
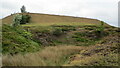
105	10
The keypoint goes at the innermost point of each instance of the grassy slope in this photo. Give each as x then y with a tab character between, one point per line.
65	52
104	52
76	35
39	19
17	40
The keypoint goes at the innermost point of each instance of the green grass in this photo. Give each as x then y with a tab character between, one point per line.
50	40
63	41
60	33
26	38
17	40
85	38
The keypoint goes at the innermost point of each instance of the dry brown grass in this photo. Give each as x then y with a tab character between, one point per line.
52	56
56	19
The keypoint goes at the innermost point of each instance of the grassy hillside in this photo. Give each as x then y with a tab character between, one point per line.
104	53
17	40
71	46
39	19
52	40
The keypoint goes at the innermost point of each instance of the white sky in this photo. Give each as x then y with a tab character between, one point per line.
106	10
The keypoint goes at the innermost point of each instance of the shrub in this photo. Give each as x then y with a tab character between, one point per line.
57	32
20	19
17	20
25	19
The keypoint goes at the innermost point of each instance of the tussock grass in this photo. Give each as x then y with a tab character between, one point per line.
50	56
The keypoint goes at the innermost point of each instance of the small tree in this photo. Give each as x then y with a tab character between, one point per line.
25	17
23	9
21	18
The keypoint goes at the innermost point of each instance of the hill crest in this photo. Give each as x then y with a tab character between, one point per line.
49	18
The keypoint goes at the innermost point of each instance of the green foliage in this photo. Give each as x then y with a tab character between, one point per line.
25	19
17	40
17	20
20	19
84	38
57	32
81	40
27	34
23	9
